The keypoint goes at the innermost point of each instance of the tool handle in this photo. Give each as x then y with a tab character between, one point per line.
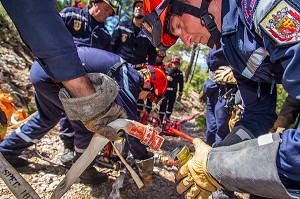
185	136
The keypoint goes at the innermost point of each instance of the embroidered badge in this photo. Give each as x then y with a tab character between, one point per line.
282	24
124	38
248	9
77	25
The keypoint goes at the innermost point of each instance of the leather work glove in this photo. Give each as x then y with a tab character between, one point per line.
194	179
97	110
169	78
224	74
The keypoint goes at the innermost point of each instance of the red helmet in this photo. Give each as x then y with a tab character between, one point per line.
176	59
155	15
158	81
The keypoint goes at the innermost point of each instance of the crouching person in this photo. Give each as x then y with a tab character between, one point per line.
117	85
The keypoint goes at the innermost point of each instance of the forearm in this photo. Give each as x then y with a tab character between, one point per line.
79	87
44	32
249	166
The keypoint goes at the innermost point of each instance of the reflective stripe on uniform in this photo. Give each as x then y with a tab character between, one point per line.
170	89
75	15
254	62
123	28
71	134
126	84
25	137
78	150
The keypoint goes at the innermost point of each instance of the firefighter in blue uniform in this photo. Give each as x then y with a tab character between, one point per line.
87	26
260	41
217	114
43	31
129	42
175	83
133	85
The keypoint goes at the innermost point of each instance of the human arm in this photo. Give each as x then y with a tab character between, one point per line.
116	39
288	114
231	167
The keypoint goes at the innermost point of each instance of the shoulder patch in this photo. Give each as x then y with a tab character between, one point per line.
282	23
77	25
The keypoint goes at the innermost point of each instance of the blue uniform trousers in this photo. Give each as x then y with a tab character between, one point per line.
166	106
49	113
259	106
216	117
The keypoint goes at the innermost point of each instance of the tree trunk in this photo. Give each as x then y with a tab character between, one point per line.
189	68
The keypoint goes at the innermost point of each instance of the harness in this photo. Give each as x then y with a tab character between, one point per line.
206	18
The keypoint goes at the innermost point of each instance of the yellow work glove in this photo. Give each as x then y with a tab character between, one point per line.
224	74
194	180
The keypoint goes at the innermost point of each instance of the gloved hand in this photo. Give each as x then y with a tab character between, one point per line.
97	110
169	78
224	74
194	179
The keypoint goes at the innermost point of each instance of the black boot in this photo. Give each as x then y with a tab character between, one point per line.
68	155
92	176
17	161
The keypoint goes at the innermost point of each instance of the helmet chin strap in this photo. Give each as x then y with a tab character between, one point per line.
206	19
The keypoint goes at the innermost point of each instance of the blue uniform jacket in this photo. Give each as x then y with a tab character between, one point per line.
86	31
132	45
254	46
44	32
176	78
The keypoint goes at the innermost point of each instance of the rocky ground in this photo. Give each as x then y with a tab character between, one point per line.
44	176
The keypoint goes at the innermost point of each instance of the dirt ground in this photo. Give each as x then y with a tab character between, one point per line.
44	176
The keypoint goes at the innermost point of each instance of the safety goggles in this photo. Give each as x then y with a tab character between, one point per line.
156	25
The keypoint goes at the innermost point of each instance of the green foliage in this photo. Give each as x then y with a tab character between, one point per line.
201	122
178	106
281	95
59	5
198	79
